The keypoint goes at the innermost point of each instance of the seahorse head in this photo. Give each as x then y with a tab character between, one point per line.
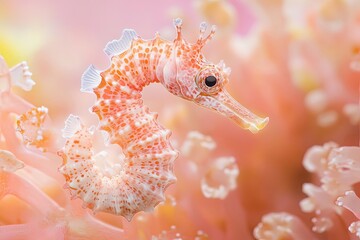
189	75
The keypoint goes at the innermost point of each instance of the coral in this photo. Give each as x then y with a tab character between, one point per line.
276	226
220	178
31	125
337	169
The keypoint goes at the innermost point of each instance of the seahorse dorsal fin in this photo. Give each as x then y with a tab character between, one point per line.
115	47
72	125
90	79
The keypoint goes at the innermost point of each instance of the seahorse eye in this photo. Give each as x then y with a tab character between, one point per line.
210	81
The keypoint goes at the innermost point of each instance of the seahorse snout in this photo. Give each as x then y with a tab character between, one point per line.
223	103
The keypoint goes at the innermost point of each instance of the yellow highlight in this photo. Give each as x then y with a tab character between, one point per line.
305	80
13	47
298	33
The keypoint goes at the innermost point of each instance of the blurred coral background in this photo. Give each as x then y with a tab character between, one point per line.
295	61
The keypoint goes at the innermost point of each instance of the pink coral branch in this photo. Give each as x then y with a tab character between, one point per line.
54	214
13	103
191	207
32	231
57	232
235	214
30	193
15	232
107	231
41	163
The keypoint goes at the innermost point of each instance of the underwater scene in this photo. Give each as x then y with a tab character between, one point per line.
180	120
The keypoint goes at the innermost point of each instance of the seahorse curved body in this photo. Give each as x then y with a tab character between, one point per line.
139	182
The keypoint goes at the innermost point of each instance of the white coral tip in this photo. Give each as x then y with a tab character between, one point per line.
8	162
203	26
355	228
21	76
177	22
339	201
348	193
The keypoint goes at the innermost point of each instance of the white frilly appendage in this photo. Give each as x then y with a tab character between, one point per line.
72	125
118	46
90	79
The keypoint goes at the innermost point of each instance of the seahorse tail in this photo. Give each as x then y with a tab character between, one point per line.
139	182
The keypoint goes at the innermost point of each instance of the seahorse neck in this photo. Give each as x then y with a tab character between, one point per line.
144	62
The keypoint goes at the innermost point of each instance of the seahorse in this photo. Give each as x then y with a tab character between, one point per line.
139	181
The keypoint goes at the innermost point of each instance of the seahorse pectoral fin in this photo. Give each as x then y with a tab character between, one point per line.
224	104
